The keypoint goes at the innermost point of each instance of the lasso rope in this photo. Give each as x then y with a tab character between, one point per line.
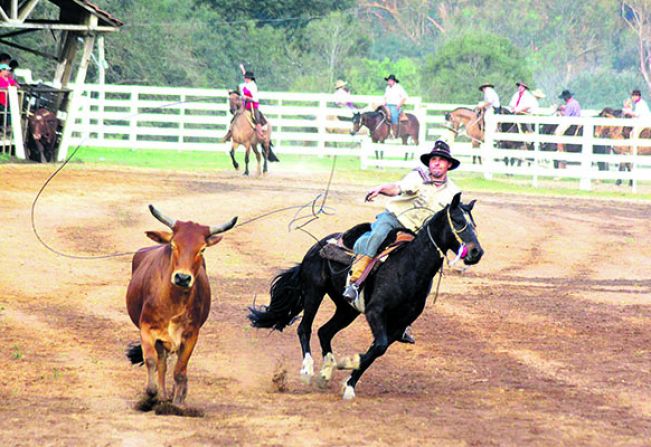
322	209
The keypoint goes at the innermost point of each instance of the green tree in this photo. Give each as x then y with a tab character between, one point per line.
455	71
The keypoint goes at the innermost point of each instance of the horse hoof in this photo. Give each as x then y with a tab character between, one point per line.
349	393
306	377
307	369
329	365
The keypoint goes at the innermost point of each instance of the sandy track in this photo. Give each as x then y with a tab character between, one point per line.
545	342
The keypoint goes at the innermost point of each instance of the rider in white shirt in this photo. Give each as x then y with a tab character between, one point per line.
491	100
394	98
522	101
636	107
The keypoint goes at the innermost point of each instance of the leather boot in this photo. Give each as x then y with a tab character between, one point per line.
351	292
258	132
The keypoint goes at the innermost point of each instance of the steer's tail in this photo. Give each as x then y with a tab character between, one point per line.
286	302
134	353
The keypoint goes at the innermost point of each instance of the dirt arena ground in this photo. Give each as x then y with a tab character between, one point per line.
546	342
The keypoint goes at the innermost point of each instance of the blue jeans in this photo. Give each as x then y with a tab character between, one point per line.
369	242
394	110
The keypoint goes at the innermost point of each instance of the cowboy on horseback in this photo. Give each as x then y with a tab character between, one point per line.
491	101
418	196
394	98
249	91
636	107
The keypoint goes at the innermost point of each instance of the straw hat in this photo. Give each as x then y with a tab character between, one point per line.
537	93
340	83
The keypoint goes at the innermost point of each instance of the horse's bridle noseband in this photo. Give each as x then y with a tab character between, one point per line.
456	232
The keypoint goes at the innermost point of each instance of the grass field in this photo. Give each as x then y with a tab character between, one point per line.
346	169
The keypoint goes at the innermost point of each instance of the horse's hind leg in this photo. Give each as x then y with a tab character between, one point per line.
232	152
313	298
381	342
344	315
265	156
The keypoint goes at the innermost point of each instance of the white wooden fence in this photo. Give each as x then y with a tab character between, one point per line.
303	123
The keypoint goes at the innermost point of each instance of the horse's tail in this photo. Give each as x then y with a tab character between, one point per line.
134	354
286	302
271	156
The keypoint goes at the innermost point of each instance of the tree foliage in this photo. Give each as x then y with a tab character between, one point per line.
464	62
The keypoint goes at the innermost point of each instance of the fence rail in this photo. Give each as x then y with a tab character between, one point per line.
310	124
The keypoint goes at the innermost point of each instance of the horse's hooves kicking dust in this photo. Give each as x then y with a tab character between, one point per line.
146	403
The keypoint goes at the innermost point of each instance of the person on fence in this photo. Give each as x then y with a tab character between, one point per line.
636	107
249	91
342	95
6	80
418	196
394	98
491	102
523	103
570	108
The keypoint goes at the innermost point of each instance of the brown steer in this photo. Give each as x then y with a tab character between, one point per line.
169	300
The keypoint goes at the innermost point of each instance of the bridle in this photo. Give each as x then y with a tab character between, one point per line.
457	235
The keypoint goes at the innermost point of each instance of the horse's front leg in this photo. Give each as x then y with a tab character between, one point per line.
232	152
257	158
246	159
381	342
313	300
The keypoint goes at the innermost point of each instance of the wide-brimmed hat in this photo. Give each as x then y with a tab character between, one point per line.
634	92
391	76
537	93
566	94
249	74
488	84
440	149
520	83
340	83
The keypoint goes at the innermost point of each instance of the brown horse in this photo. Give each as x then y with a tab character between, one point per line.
42	135
621	133
379	126
242	132
472	122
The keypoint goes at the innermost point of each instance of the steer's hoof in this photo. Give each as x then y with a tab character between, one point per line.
349	393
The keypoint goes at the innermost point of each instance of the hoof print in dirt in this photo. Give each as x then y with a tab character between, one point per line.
169	409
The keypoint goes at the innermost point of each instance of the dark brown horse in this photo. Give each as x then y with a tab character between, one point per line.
379	126
242	132
42	128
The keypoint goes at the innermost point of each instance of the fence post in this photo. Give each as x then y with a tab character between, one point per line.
133	118
321	126
634	152
16	131
490	121
585	183
536	156
182	119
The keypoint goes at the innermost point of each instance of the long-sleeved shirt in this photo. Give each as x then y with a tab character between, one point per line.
420	198
527	102
571	108
250	92
491	97
343	98
4	84
394	95
641	109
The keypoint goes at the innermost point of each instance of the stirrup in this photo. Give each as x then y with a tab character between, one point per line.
351	293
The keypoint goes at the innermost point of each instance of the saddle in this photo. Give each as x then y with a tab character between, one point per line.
339	247
383	109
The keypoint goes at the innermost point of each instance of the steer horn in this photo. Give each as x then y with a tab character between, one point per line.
162	218
215	229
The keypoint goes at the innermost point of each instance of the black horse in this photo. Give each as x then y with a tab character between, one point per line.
506	127
394	297
574	130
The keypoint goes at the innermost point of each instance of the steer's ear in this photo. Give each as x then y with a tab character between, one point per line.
214	239
162	237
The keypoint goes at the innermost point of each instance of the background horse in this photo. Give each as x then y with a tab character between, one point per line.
621	133
242	132
549	129
42	128
394	297
379	127
472	122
